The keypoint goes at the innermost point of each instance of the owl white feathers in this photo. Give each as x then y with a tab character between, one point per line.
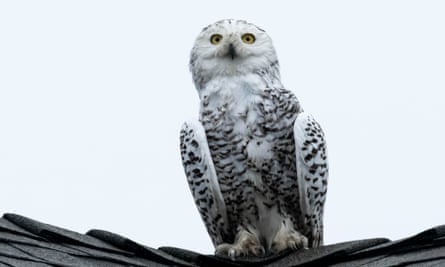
255	162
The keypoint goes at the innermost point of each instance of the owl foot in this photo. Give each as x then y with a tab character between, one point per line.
288	238
246	244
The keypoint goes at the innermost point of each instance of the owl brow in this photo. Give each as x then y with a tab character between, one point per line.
261	30
205	28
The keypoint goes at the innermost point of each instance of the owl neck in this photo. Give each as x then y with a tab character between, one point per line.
240	86
263	78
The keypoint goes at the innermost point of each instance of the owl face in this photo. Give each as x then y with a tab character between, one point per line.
230	47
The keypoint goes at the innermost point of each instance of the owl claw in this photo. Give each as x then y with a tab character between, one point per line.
293	245
233	253
294	241
298	243
288	238
236	250
258	251
246	243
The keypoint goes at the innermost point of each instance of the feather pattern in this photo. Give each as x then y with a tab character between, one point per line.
255	162
312	174
202	180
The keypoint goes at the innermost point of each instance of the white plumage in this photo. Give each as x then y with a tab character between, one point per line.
255	162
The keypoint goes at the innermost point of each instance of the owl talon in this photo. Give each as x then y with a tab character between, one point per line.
233	253
293	245
258	251
246	243
288	238
293	242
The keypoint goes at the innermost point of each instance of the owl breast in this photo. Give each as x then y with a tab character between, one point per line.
233	116
250	136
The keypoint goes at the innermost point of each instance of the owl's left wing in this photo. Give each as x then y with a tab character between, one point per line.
202	180
312	174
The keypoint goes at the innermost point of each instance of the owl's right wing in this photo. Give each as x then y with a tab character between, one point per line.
312	174
202	180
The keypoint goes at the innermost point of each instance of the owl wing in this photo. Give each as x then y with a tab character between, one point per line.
312	174
202	179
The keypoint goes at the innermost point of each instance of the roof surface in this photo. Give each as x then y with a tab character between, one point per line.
25	242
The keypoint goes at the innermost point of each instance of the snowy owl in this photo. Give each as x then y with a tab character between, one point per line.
255	162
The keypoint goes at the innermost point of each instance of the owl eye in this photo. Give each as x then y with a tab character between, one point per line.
216	39
248	38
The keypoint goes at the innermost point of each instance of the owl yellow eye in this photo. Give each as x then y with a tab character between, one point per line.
216	39
248	38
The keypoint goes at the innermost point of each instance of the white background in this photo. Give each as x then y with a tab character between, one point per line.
93	94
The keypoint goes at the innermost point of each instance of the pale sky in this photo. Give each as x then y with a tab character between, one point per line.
93	94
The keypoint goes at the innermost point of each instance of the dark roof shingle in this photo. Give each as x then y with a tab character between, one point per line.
26	242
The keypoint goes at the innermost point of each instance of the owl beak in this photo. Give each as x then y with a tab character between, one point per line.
231	52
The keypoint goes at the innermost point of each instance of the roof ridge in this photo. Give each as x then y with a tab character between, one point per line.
27	242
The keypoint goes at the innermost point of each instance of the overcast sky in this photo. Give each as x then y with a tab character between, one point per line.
93	94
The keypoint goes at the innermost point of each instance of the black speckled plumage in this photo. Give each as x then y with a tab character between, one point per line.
255	162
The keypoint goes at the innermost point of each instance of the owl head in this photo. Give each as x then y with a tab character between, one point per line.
229	48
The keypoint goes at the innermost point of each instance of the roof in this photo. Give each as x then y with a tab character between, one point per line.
26	242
